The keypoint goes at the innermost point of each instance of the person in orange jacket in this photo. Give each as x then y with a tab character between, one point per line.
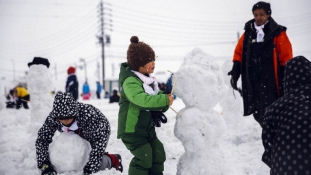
259	57
22	97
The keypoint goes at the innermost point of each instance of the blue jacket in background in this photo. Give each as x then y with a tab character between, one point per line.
86	88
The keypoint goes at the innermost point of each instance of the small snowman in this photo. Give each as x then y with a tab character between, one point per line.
40	85
199	83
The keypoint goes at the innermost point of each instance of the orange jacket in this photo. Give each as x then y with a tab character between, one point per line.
282	52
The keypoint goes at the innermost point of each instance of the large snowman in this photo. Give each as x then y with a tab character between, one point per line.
40	85
199	83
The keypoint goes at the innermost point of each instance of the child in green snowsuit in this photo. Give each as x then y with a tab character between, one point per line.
139	96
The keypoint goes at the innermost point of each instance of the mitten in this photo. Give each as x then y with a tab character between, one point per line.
156	122
86	171
157	118
47	169
162	117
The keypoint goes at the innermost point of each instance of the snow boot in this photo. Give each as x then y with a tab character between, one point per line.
116	161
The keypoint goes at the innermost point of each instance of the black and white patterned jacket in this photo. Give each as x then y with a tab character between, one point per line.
93	126
286	134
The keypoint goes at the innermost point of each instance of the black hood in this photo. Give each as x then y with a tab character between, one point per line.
65	106
297	73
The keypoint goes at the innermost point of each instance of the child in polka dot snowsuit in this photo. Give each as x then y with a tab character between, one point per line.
74	117
286	131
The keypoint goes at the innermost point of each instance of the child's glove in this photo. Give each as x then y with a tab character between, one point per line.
47	169
157	118
86	171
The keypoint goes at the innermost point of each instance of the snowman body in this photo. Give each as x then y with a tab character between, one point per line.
200	85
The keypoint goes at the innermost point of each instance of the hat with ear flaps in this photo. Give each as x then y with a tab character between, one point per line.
139	54
64	106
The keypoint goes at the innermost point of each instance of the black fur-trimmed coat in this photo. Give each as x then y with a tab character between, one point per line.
93	127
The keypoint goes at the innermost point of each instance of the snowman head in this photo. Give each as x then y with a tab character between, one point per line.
199	81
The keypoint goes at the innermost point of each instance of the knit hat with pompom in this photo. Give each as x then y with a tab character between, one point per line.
139	54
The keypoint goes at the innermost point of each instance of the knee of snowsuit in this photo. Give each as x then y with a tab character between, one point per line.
149	155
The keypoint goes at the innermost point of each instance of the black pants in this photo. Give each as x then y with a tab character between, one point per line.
258	112
98	95
22	101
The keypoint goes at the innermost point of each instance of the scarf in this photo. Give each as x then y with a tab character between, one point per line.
73	127
147	81
259	30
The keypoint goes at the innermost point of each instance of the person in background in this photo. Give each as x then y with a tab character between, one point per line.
11	100
259	57
106	95
86	92
69	115
99	88
139	96
115	97
72	84
286	134
22	97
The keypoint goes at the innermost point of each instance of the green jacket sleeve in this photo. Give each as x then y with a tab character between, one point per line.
134	91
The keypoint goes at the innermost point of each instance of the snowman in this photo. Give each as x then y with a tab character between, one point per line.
199	83
40	85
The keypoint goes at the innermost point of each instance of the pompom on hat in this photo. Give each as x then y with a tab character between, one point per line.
139	54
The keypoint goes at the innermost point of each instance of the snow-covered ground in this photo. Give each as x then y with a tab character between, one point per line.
241	143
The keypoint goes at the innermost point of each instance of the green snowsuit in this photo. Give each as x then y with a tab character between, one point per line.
135	127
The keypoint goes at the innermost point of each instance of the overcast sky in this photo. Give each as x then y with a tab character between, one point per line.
65	30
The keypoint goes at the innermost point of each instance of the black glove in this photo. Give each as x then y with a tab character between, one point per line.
157	118
86	171
235	74
233	82
47	169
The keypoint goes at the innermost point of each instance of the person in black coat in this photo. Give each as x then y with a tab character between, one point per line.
286	134
71	116
72	84
259	59
115	97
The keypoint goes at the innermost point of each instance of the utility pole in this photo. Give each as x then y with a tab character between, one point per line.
85	71
101	40
102	36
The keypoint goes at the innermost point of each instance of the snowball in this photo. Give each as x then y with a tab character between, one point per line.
69	152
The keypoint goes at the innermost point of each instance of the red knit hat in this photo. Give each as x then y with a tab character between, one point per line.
71	70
